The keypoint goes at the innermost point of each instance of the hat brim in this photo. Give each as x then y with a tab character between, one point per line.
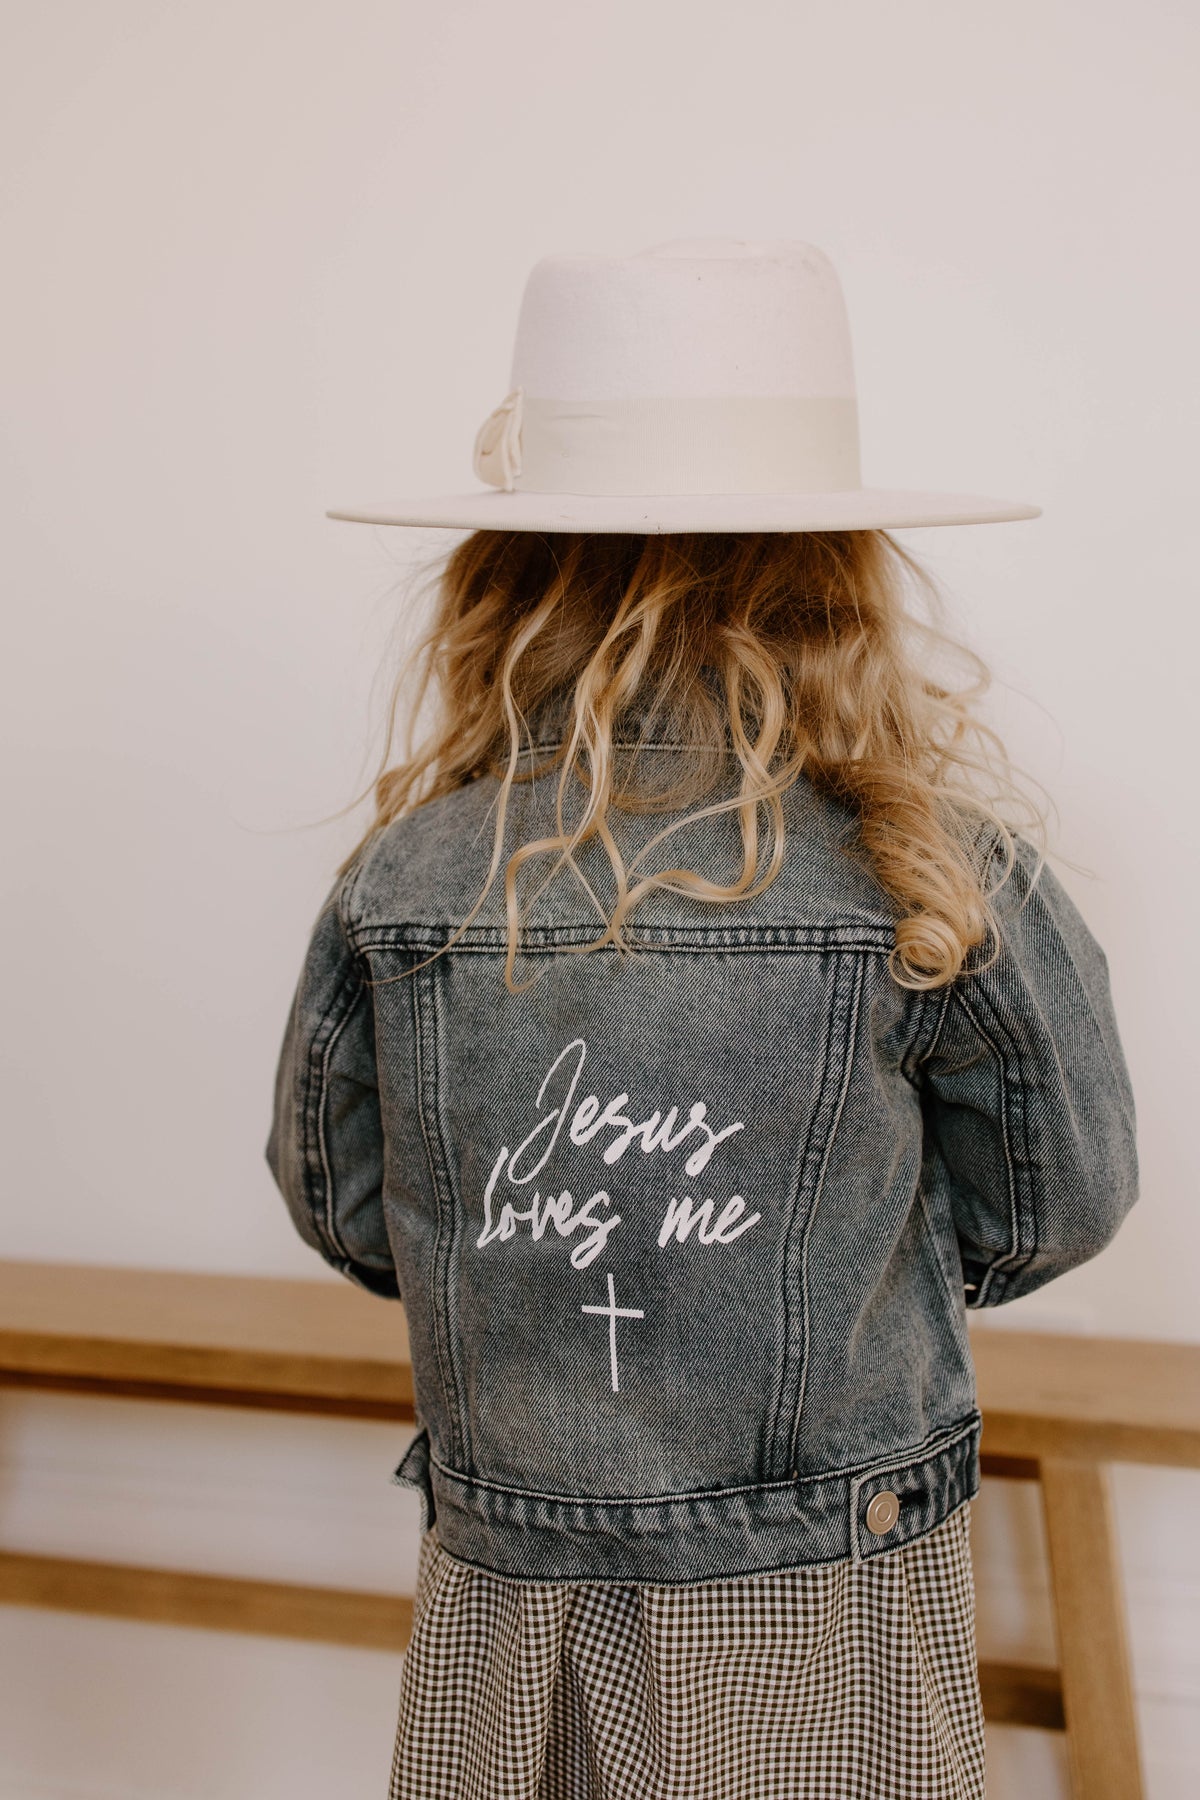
852	509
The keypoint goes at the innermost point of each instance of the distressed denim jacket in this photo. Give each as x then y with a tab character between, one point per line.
686	1237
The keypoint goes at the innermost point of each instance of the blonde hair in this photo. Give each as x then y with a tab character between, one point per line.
795	652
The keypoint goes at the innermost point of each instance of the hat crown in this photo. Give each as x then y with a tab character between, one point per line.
705	384
710	318
703	366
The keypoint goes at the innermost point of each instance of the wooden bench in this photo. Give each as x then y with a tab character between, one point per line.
1056	1410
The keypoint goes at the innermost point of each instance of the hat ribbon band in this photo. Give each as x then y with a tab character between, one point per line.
737	444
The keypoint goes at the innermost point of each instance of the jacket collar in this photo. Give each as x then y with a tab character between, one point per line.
640	725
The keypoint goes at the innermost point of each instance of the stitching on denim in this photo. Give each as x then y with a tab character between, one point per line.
443	1176
998	1055
993	1278
1018	1259
542	744
941	1020
910	1057
851	1042
1015	1253
897	1465
371	1259
798	1192
819	941
419	1078
880	1468
956	1296
343	896
303	1103
357	988
1032	1163
930	1447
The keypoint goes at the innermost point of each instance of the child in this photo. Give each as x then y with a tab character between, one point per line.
689	1043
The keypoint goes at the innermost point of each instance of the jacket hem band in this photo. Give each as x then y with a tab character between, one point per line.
704	1536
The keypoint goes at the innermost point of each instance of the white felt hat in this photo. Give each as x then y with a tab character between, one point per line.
705	385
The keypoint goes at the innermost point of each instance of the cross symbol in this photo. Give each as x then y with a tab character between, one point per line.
613	1313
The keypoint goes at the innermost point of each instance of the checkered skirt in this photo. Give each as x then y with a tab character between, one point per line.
847	1681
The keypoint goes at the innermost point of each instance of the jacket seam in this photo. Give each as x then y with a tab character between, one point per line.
929	1447
884	1465
344	892
1016	1257
630	744
420	1079
941	1020
957	1296
849	1047
910	1057
821	943
786	1304
352	988
920	1053
447	1252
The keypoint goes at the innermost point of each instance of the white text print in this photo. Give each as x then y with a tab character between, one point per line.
613	1126
591	1120
559	1210
683	1215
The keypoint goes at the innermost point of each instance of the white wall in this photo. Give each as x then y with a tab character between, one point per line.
264	256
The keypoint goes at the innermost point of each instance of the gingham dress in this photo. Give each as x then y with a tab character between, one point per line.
848	1681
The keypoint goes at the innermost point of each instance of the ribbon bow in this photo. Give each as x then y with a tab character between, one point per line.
498	443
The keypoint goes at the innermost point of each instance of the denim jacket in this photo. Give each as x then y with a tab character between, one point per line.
686	1237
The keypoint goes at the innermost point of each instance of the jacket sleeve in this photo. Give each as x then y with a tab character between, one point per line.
1028	1107
326	1147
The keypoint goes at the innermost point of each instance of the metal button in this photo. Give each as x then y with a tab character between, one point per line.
882	1512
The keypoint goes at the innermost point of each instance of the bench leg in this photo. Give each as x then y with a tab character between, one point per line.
1090	1618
